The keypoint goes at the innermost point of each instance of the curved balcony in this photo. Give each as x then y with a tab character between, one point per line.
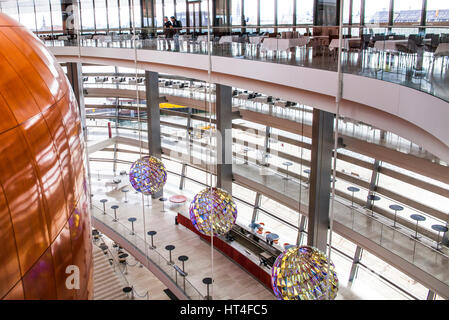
390	99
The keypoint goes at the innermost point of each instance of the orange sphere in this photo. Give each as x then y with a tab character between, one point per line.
44	216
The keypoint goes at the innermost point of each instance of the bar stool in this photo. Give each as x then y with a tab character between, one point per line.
396	208
287	164
207	282
132	220
151	234
170	248
307	171
245	151
127	291
103	201
439	228
96	234
373	198
104	247
163	203
115	207
353	190
183	259
125	191
417	218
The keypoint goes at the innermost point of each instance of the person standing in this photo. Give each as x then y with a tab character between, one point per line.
176	27
168	32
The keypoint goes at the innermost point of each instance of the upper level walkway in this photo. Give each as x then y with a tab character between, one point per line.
379	88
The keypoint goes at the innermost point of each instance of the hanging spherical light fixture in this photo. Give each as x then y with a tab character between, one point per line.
213	206
148	175
299	273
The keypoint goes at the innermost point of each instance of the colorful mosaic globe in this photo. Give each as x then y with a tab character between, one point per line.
213	207
299	273
148	175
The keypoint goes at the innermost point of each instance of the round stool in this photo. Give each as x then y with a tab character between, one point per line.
96	234
170	248
125	191
163	203
132	220
183	259
122	257
115	207
395	208
439	228
127	291
353	190
151	234
373	198
307	171
287	164
104	248
245	151
417	218
207	281
103	201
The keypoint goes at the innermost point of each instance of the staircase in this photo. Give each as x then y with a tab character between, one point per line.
107	284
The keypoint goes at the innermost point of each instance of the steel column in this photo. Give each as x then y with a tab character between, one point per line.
355	263
320	177
224	137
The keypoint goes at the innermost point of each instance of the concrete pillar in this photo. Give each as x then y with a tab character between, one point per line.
224	137
320	176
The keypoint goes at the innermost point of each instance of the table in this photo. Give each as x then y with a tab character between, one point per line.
228	39
442	50
132	220
115	207
396	208
346	43
151	234
203	38
439	228
353	190
257	40
104	248
392	45
373	198
417	218
170	248
178	199
275	44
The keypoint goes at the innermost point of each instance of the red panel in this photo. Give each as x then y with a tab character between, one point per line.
16	293
62	257
10	271
39	282
40	142
24	198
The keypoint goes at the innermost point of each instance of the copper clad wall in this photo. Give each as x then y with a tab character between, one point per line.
44	216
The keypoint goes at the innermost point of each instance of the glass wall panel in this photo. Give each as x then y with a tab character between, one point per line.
10	8
87	15
113	14
101	14
437	12
250	7
27	17
267	12
236	12
159	19
285	12
304	11
346	9
56	15
124	14
169	8
43	15
181	13
356	14
407	12
376	11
